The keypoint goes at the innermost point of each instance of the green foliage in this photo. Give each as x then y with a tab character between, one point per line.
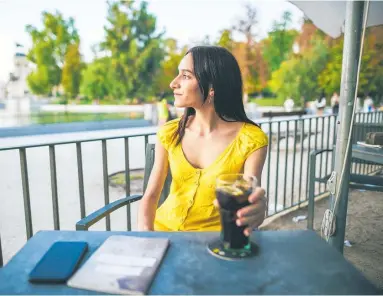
134	47
39	80
279	43
97	82
47	73
71	73
136	63
49	46
298	77
329	78
226	40
370	75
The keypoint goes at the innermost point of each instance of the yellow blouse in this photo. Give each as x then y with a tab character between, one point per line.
189	206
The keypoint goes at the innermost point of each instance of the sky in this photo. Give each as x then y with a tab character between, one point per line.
184	20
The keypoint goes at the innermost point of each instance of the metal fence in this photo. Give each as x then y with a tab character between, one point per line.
285	175
324	162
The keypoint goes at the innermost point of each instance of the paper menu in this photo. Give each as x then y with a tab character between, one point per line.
121	265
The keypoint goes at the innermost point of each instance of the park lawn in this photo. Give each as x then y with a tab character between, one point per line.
53	117
275	102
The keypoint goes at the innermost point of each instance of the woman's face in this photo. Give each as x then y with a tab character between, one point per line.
185	85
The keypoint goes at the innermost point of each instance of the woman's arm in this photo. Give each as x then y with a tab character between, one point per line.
254	164
149	201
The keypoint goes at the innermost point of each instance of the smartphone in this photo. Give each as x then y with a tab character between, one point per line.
59	262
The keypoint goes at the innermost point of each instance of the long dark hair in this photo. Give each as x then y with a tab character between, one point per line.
215	67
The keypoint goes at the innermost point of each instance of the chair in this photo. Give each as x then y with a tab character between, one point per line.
357	181
96	216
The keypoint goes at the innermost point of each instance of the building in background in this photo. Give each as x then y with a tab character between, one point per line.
17	86
16	104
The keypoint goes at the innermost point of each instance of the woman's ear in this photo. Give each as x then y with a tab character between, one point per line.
211	92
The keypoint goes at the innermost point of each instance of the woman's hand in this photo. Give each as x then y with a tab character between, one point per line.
253	215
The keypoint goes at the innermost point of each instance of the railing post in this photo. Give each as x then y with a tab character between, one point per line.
80	175
127	183
55	202
26	196
311	191
106	180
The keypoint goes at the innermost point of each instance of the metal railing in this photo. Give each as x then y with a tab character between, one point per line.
285	175
364	123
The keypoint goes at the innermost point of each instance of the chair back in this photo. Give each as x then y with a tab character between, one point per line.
149	162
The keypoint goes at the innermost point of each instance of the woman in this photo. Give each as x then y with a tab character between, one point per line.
335	103
214	136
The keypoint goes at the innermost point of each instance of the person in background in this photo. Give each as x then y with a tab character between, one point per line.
368	104
309	109
335	103
213	137
163	112
289	104
320	104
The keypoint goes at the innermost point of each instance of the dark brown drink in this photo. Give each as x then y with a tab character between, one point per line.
231	200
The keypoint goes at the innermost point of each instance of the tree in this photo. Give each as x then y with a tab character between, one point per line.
49	46
97	82
329	78
298	77
47	73
71	73
246	26
226	40
134	47
370	74
279	43
39	81
376	34
249	57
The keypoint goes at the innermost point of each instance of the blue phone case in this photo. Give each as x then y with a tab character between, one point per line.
59	262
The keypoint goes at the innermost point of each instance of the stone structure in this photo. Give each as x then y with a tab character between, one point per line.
17	86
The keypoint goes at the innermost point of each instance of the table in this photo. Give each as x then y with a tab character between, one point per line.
288	262
368	153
